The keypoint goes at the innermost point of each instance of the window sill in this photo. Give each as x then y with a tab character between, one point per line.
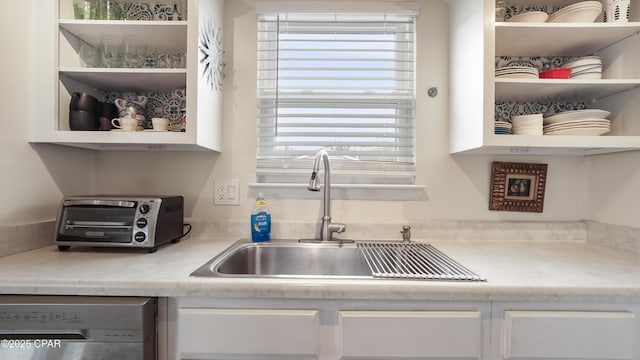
389	192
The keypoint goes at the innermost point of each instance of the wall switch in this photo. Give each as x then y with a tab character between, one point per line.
226	192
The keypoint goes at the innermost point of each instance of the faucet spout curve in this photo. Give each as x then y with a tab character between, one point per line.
327	227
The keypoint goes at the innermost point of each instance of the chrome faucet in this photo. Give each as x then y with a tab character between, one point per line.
406	233
326	233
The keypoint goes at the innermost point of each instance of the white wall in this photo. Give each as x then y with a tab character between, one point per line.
614	188
34	178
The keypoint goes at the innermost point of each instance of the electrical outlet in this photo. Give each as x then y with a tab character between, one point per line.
226	192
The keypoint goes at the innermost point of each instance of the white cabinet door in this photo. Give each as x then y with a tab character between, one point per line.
569	335
247	333
410	334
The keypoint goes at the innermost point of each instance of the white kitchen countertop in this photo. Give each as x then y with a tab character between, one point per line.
576	271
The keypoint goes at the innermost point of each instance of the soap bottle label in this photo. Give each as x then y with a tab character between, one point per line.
261	227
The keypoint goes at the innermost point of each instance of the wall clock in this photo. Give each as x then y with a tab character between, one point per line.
211	54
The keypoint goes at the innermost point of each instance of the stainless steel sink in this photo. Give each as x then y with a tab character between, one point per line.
287	258
327	260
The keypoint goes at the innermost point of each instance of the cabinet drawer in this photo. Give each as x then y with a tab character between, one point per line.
225	333
402	334
569	335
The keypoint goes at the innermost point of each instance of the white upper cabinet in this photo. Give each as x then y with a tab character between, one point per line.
190	89
478	43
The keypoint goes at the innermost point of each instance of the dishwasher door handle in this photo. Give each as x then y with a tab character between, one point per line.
54	334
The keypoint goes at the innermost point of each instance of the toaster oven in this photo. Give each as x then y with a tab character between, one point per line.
119	221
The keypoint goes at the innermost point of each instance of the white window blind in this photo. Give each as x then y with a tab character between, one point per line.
340	82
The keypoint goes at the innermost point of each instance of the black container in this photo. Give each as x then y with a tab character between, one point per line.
83	120
83	101
106	112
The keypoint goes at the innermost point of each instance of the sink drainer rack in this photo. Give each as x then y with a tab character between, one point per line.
413	261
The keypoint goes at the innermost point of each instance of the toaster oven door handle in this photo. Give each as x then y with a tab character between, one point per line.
102	225
98	202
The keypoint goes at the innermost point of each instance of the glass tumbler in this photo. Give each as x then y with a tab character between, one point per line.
85	9
89	55
112	53
109	10
501	10
134	53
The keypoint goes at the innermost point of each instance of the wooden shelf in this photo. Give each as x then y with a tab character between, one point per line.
120	140
535	90
157	34
559	39
557	144
128	79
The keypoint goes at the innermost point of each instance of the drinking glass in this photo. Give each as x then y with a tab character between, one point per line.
501	10
85	9
89	55
109	10
112	53
134	53
163	58
150	60
181	7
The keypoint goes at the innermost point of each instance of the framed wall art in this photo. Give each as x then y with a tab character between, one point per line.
517	186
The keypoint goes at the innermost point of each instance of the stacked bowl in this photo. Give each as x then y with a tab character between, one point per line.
586	67
527	124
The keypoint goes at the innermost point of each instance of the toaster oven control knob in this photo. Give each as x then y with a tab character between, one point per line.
140	236
142	222
144	208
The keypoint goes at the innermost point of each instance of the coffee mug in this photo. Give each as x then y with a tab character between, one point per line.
160	124
125	123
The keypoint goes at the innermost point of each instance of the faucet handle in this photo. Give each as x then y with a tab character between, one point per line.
337	227
406	233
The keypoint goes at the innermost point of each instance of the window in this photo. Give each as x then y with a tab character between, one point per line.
341	82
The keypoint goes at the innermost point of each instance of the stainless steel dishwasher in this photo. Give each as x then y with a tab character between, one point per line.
77	327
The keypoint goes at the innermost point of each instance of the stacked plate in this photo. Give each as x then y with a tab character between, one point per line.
586	67
531	16
582	12
517	72
527	124
578	122
502	127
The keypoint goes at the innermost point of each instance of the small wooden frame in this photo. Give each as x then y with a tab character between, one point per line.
517	186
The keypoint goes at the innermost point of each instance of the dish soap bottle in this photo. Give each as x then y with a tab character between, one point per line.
260	220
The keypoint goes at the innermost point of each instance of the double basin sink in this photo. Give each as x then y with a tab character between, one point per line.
333	260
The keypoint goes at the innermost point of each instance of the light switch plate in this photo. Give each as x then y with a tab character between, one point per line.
226	192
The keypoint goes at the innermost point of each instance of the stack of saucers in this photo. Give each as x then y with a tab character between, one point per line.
503	127
527	124
517	72
586	67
